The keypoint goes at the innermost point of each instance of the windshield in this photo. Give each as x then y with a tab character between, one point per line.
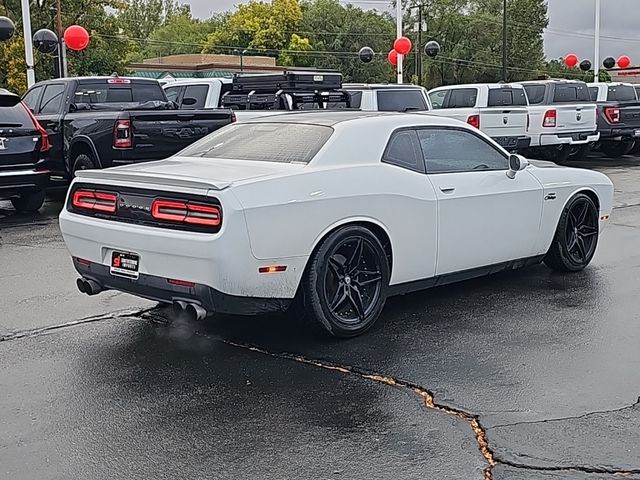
265	142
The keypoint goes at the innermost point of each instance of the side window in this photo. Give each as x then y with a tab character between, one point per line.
195	96
403	150
463	98
31	98
437	98
450	151
593	93
356	98
172	93
52	99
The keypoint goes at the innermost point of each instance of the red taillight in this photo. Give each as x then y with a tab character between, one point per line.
186	212
612	114
97	201
474	121
122	137
550	119
45	146
180	283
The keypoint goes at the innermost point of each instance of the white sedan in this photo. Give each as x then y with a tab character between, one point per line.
335	211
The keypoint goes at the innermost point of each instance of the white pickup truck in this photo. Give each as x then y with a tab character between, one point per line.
562	118
207	93
499	110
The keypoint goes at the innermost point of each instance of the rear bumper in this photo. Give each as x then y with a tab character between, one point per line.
625	133
513	143
575	138
159	289
13	181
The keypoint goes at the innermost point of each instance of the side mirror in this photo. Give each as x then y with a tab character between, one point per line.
516	163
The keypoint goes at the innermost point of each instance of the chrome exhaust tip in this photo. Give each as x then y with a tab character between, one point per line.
196	312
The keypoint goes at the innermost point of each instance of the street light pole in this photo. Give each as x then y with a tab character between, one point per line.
398	35
28	47
419	46
596	60
504	40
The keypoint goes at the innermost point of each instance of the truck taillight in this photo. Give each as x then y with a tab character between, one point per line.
122	136
550	119
474	121
45	145
96	201
186	212
612	114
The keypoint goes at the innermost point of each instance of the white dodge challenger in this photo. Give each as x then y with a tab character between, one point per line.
335	211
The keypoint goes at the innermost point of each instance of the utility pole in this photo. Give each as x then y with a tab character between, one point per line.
419	46
504	40
596	59
62	67
398	35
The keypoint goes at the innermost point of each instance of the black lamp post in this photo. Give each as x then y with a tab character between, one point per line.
504	40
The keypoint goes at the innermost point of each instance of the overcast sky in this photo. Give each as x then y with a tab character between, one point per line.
571	26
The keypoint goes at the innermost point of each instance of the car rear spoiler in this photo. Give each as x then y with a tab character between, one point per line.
8	99
159	180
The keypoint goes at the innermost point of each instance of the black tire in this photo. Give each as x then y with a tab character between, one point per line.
345	284
579	153
636	148
28	201
616	149
576	238
83	162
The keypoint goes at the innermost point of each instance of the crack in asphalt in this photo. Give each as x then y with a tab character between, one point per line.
479	431
33	332
560	419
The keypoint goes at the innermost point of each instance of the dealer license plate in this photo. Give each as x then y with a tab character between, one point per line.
124	264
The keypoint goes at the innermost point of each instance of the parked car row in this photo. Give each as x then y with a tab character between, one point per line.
550	119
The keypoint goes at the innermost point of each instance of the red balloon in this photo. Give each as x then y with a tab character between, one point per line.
571	60
392	56
76	38
624	61
402	45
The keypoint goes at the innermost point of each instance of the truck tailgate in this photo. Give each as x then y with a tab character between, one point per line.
630	114
159	134
575	118
503	121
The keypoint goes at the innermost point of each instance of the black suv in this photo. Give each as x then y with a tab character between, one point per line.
24	147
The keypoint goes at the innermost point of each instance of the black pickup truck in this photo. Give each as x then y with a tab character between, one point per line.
99	122
618	117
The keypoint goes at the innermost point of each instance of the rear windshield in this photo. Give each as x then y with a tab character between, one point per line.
121	93
621	93
535	93
401	100
593	93
506	97
571	93
264	142
15	116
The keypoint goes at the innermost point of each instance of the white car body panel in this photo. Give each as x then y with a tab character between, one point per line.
277	214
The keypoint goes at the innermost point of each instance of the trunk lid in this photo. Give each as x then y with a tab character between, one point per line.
630	114
504	121
191	173
19	139
575	118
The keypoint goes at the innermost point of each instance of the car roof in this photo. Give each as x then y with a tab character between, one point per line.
95	79
476	85
379	86
551	80
334	117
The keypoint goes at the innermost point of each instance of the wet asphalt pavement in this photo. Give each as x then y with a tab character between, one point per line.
522	375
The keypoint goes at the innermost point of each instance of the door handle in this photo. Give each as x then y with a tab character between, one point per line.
447	189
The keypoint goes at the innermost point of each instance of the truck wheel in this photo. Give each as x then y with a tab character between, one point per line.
636	148
578	153
616	149
83	162
28	201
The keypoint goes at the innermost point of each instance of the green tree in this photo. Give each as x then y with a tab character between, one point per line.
105	54
257	25
337	32
140	18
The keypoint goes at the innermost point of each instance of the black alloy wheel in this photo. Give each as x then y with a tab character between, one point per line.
83	162
576	237
346	282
